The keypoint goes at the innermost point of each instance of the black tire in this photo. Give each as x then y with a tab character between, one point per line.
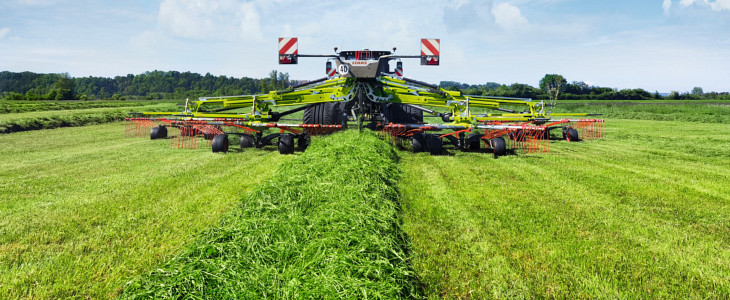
517	135
159	132
402	114
220	143
418	142
163	132
155	133
322	113
474	141
434	144
545	135
572	135
499	146
247	141
303	142
286	143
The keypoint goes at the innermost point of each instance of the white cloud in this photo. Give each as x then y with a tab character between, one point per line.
220	19
717	5
667	5
458	3
508	16
466	16
4	32
249	20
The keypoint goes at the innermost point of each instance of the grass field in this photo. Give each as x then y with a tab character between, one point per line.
325	225
642	213
35	120
701	113
16	106
71	112
653	101
83	210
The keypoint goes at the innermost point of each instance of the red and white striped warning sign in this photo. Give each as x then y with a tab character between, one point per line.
399	69
288	46
429	47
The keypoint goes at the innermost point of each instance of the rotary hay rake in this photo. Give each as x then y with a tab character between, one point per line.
366	88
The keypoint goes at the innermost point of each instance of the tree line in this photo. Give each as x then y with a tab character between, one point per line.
554	86
179	85
149	86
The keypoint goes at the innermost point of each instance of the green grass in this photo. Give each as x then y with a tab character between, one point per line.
705	113
655	101
641	214
325	225
84	210
7	107
74	117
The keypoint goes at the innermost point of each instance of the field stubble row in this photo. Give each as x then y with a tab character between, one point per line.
642	213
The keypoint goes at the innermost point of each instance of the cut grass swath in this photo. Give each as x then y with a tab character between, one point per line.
325	225
84	210
36	120
8	107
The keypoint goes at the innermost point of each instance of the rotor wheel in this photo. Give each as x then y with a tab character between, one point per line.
499	146
303	142
220	143
474	141
418	142
435	144
159	132
247	141
572	135
286	143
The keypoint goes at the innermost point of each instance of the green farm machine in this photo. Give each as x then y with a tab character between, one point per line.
366	89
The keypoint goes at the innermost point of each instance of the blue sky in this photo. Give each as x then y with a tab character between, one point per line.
660	45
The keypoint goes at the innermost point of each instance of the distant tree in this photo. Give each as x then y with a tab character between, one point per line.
64	86
13	96
491	85
578	88
697	91
553	84
31	96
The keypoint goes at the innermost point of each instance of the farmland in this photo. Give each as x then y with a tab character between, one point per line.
641	213
17	106
53	114
83	209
